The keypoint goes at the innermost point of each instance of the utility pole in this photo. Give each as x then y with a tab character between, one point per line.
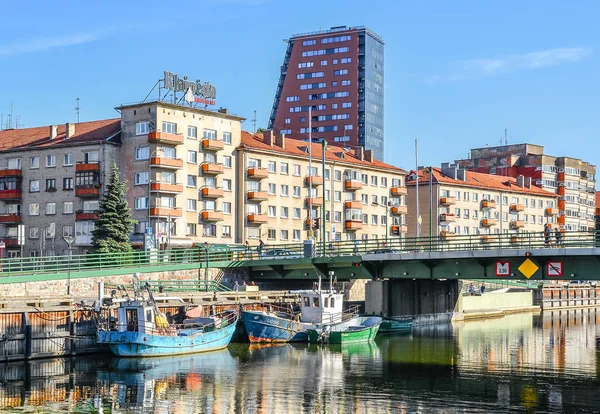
310	204
417	187
254	122
323	232
431	206
77	108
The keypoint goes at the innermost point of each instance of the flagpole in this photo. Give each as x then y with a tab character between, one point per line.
417	186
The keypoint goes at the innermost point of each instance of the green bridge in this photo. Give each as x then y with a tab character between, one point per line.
574	256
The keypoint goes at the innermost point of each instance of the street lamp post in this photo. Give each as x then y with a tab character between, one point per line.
150	185
69	240
206	263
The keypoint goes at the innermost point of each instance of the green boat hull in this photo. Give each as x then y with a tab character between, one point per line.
347	336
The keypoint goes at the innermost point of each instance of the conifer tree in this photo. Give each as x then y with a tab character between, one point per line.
111	234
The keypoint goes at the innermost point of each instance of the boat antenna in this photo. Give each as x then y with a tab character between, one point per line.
331	281
319	283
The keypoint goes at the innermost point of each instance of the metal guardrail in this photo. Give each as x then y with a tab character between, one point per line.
214	256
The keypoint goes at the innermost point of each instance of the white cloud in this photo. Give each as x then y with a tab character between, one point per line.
481	68
45	43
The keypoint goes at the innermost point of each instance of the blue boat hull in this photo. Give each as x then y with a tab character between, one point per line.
270	328
134	344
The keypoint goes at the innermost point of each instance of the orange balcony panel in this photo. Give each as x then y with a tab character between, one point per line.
258	195
258	173
561	219
552	211
10	194
86	215
353	204
398	210
353	225
561	204
561	191
257	218
10	218
316	201
316	180
488	204
486	238
445	234
398	191
212	216
165	138
487	222
11	242
517	207
560	176
208	168
165	212
447	201
11	172
447	217
353	185
208	192
87	166
167	187
161	162
91	192
399	229
212	145
517	224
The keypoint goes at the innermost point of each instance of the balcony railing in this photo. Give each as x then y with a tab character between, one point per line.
447	218
258	173
166	187
398	210
517	224
165	138
353	225
488	222
165	212
212	144
316	201
398	191
13	194
88	191
86	215
212	168
210	192
258	195
87	166
353	204
11	172
488	204
517	207
316	180
10	218
551	211
162	162
447	201
254	218
353	185
208	215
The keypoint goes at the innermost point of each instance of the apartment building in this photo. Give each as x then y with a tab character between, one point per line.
180	165
573	180
339	74
51	181
364	198
470	203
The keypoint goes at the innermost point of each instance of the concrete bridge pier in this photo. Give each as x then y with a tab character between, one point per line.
428	301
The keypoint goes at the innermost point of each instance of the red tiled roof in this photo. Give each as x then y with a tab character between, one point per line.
299	148
478	180
12	139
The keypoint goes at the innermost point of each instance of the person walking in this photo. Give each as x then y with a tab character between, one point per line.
558	236
547	235
472	289
236	286
261	246
482	288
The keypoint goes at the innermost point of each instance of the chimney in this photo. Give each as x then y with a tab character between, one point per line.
369	155
223	111
527	182
269	137
461	174
520	181
359	153
70	130
449	170
53	131
280	140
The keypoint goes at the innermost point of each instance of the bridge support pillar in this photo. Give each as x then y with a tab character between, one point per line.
404	297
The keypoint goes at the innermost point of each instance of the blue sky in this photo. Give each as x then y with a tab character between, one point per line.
456	73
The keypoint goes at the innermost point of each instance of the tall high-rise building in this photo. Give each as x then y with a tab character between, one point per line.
339	74
572	179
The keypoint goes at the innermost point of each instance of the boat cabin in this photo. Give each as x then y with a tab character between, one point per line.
135	316
321	306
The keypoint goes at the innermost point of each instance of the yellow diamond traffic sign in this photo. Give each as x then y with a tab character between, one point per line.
528	268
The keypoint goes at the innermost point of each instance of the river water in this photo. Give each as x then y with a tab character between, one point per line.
520	363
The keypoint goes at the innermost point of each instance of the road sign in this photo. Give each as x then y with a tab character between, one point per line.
502	268
528	268
149	230
554	268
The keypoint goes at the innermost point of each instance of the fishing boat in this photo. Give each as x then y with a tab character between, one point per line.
281	324
142	330
394	325
356	329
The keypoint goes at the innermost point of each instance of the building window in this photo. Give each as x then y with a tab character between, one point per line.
365	199
227	207
190	229
209	134
142	128
68	207
272	167
169	127
141	178
227	185
297	170
141	203
297	213
142	153
227	161
191	205
284	212
285	168
67	183
272	189
50	184
192	156
191	180
296	235
68	160
296	191
373	180
227	137
34	232
337	216
209	230
272	211
226	231
271	234
284	190
34	186
50	208
50	161
192	133
34	162
284	234
34	209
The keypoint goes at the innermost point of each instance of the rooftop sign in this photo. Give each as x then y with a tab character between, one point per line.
195	91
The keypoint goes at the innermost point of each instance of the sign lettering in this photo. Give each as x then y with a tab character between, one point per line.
195	91
502	268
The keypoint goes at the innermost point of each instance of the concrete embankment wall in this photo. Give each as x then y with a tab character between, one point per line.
500	300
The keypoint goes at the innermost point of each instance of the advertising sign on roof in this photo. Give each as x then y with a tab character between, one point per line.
195	91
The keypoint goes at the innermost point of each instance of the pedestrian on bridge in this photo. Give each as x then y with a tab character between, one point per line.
558	236
472	290
547	235
482	288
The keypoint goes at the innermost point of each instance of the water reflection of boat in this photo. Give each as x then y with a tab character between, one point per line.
395	325
357	348
357	329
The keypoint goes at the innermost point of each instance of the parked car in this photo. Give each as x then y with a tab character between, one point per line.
280	254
